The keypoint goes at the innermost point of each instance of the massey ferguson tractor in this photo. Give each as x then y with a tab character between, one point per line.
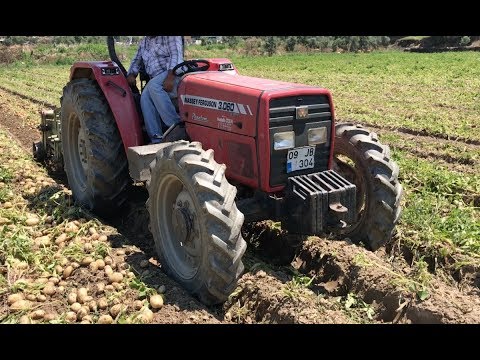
246	149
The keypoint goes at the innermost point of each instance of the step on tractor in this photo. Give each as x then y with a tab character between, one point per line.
246	149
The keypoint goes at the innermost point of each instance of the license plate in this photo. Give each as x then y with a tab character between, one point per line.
300	158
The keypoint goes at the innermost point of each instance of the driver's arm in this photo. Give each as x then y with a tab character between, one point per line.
135	65
175	50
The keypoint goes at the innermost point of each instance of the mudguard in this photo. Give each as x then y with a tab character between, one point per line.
118	95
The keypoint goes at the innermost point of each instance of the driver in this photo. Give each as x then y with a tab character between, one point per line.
160	54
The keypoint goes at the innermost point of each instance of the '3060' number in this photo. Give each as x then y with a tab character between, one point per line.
226	106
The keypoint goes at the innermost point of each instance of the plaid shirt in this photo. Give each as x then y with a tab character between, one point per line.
159	53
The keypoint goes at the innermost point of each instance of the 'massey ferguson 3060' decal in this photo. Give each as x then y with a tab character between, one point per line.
208	103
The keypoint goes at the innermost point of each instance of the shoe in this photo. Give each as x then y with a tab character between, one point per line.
156	139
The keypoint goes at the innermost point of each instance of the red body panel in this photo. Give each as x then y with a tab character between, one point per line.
211	99
121	102
241	165
202	99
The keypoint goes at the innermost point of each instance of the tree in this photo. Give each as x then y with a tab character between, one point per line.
232	41
270	45
290	43
465	40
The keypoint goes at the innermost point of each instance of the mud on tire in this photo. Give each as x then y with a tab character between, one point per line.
93	153
195	222
363	160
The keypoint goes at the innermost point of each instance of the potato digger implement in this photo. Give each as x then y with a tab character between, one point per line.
246	149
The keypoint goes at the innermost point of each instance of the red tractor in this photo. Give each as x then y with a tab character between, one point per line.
246	149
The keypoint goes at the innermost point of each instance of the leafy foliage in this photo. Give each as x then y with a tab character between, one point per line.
465	40
270	45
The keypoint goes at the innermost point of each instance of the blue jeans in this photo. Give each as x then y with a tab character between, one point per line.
157	106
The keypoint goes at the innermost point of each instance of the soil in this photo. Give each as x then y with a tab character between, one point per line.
24	134
342	268
322	281
436	148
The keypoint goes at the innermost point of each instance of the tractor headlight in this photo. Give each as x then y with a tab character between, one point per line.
284	140
317	136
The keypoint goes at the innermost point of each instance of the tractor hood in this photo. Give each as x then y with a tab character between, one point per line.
248	82
227	101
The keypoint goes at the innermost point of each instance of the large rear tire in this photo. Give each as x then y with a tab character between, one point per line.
94	158
195	222
364	161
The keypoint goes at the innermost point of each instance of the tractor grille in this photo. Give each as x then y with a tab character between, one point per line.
283	118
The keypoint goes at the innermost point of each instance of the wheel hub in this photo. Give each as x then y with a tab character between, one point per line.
182	222
82	151
182	219
178	225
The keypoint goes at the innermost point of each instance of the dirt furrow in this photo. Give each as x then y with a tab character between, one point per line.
424	133
454	155
341	268
30	98
271	297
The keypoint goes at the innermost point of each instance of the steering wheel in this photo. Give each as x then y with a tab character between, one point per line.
191	66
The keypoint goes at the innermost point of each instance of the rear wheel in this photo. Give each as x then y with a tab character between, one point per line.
195	222
93	153
364	161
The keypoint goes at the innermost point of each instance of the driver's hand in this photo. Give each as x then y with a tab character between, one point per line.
169	81
132	80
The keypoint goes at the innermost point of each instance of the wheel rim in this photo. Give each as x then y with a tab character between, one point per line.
178	227
349	169
78	151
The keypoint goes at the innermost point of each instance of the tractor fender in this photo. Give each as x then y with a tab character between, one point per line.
118	95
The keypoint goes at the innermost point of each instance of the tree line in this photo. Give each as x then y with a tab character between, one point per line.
261	44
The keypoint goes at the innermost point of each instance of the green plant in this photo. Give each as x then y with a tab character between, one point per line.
143	290
302	281
101	250
465	40
422	278
22	286
74	251
16	244
294	287
45	259
4	194
6	175
3	284
351	301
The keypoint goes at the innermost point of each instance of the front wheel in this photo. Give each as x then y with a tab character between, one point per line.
195	222
364	161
